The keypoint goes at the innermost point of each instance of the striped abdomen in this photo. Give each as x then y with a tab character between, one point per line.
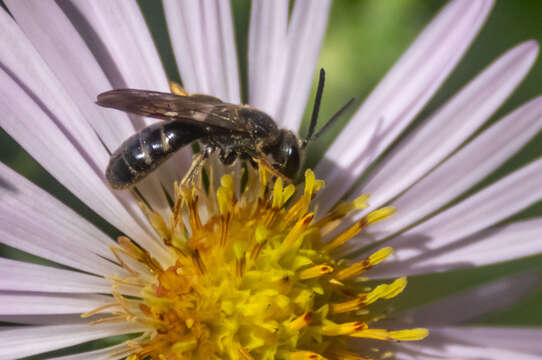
146	150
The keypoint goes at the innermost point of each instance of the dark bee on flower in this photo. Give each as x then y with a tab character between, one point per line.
232	131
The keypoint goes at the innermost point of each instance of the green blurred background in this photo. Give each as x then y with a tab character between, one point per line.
364	39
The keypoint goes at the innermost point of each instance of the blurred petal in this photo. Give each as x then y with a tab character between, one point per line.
61	130
291	85
453	124
472	303
117	35
32	303
267	37
401	95
202	39
23	276
282	57
15	342
483	209
475	343
493	245
66	54
35	222
466	168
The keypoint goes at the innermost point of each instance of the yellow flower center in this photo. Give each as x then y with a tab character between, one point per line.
254	276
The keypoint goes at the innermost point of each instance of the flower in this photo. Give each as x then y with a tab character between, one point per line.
63	54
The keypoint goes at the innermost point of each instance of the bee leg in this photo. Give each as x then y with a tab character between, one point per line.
227	158
176	89
192	174
262	160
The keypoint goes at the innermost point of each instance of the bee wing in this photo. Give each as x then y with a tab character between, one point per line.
196	109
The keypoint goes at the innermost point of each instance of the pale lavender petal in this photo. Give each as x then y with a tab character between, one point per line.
55	133
22	276
35	222
466	168
471	303
489	246
74	65
401	95
454	123
15	342
23	65
266	53
295	71
117	35
474	344
204	45
493	245
32	303
480	211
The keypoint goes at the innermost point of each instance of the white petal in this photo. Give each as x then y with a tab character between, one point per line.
15	342
467	167
483	209
73	64
21	276
35	222
454	123
295	70
55	133
475	343
267	36
33	75
117	35
472	303
204	45
401	95
490	246
32	303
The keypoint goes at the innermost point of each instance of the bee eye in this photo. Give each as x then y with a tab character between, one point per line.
288	155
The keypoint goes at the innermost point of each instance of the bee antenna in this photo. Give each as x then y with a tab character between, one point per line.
331	121
316	108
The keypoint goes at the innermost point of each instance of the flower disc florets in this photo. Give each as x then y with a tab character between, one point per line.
252	277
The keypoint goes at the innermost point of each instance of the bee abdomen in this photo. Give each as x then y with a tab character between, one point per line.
144	151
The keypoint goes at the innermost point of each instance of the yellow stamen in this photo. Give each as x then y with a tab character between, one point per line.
385	291
343	329
249	277
315	271
380	214
301	321
401	335
359	267
345	236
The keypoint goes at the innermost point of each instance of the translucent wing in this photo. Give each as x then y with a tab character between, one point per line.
196	109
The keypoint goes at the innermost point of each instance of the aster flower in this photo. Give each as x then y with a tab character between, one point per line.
254	268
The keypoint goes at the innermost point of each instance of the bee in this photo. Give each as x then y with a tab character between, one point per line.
232	131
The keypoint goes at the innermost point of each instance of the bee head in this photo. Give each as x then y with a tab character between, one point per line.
287	154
